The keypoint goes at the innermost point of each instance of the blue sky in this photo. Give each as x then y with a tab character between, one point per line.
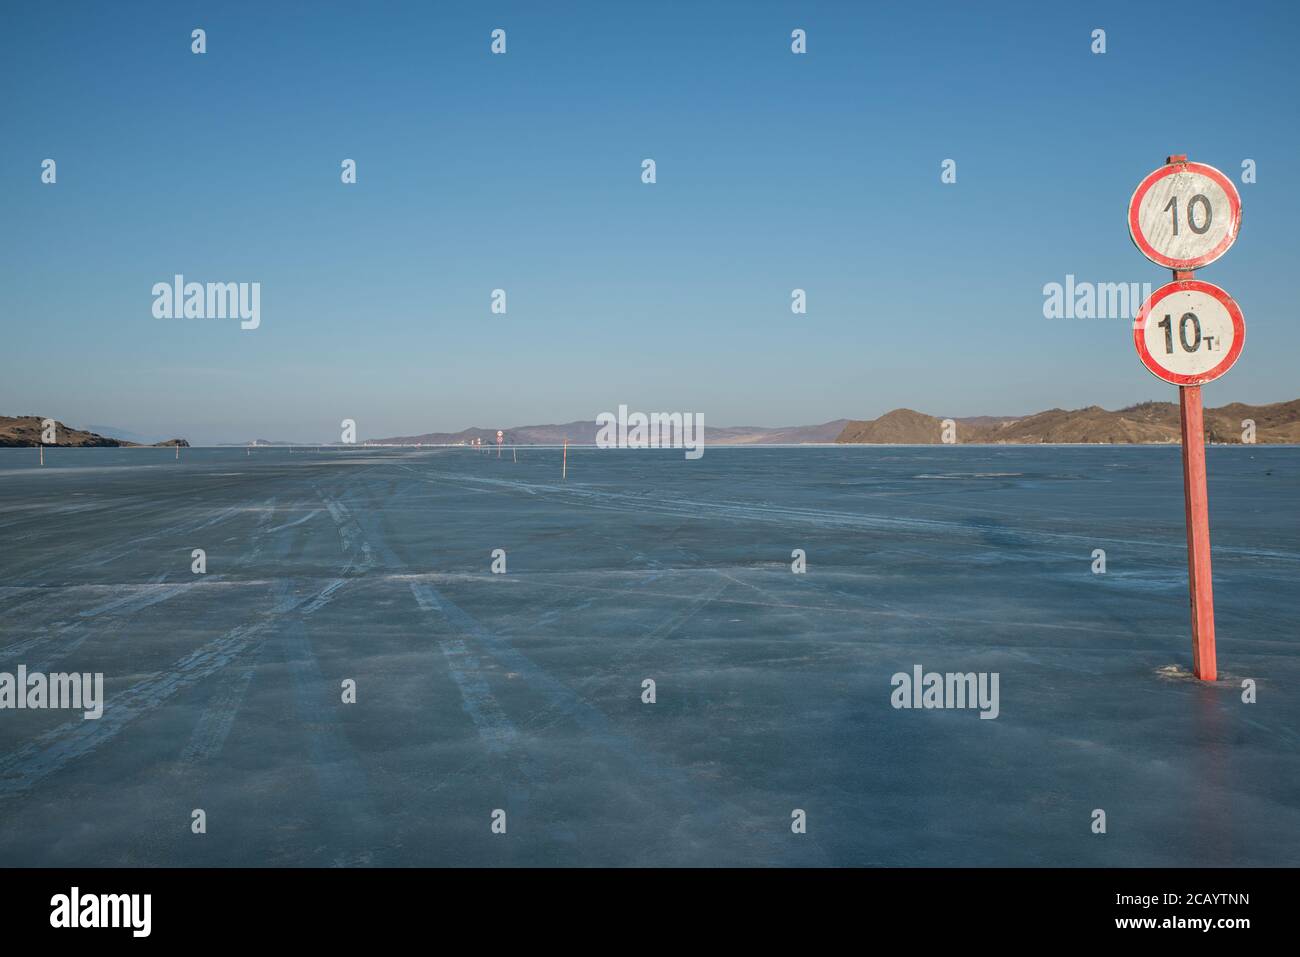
522	172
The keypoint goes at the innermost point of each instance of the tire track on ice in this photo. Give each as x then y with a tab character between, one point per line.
815	518
699	808
495	730
217	720
106	617
53	750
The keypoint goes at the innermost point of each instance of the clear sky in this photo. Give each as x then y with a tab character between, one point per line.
523	172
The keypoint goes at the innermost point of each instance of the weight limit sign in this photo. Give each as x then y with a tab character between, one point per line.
1184	215
1189	332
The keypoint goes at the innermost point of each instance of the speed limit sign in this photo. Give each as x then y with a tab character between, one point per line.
1184	215
1189	332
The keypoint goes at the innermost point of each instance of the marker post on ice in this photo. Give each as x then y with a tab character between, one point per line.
1183	216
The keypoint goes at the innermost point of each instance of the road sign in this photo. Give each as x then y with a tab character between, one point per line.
1189	332
1184	215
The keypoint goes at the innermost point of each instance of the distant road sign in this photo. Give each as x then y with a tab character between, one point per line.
1189	332
500	435
1184	215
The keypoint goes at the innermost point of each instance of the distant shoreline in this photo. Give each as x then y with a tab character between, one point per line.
1147	423
305	447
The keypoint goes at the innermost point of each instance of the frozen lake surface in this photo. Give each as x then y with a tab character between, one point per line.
523	691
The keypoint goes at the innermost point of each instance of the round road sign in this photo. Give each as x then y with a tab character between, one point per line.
1189	332
1184	215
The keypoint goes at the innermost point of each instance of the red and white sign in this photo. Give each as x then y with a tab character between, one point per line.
1189	332
1184	215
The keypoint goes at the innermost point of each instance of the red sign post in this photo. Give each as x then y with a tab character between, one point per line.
1184	216
1196	507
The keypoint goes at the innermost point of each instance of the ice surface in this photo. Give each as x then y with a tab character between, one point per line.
522	691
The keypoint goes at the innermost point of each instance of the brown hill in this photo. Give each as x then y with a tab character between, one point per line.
1146	423
1278	422
1142	424
25	430
899	427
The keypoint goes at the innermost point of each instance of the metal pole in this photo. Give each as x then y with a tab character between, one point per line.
1196	508
1200	584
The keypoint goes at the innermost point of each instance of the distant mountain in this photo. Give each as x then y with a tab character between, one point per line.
1147	423
579	433
1151	422
985	421
1279	422
899	427
584	433
26	430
